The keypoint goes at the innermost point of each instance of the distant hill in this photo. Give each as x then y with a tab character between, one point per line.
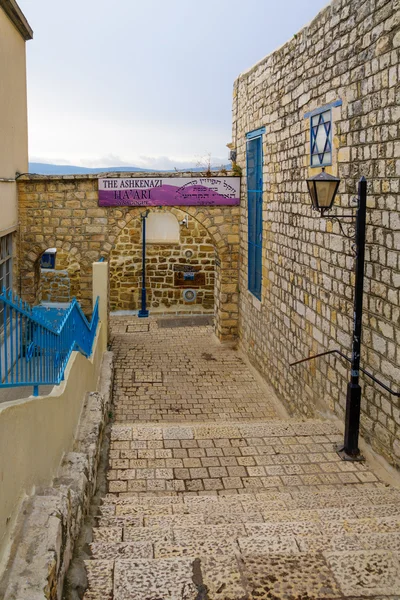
49	169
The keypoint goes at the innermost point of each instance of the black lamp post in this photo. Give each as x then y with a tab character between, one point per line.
143	312
323	189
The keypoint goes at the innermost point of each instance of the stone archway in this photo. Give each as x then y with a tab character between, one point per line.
184	260
64	213
66	275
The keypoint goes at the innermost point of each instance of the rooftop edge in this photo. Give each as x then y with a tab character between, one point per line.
18	18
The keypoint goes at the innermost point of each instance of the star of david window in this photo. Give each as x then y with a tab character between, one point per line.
321	139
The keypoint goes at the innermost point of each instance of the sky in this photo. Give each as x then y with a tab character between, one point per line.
145	83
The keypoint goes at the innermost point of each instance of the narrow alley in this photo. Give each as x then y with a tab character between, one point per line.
213	493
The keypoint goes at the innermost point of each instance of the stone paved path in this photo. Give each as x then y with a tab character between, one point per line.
218	501
184	373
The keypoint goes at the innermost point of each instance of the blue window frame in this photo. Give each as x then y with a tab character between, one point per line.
254	208
321	139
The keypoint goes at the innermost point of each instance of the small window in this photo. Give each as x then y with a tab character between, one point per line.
48	260
6	267
321	139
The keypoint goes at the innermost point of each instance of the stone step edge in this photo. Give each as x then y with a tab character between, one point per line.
267	512
228	424
233	545
377	489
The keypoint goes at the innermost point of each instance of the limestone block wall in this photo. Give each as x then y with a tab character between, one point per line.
63	212
54	286
350	52
62	283
165	280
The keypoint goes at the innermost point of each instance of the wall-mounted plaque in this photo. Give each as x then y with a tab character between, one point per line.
190	279
169	191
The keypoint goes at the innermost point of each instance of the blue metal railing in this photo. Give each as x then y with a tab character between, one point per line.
33	350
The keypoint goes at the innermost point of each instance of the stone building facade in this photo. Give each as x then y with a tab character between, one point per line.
344	65
63	212
15	31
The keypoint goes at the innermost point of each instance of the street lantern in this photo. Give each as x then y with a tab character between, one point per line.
323	188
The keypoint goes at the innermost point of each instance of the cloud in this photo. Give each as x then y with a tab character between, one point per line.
143	162
165	162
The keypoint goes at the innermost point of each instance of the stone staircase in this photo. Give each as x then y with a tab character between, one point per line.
242	511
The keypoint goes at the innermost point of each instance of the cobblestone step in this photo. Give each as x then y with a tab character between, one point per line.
231	509
357	495
228	457
166	542
324	517
367	504
250	573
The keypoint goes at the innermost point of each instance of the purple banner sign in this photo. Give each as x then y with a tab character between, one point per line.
170	191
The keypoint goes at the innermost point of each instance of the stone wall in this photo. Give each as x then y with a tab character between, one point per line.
164	275
50	521
62	283
350	52
63	212
54	286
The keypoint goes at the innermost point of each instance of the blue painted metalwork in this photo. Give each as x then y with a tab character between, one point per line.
322	109
254	208
255	133
36	342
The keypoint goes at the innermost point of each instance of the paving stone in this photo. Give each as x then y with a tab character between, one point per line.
287	528
257	545
148	534
332	543
264	430
358	526
100	577
382	541
289	576
233	517
122	521
366	573
221	547
184	535
112	550
280	516
384	510
218	432
222	577
177	433
121	432
107	534
149	580
170	520
138	509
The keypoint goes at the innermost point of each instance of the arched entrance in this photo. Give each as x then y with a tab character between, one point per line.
180	264
88	231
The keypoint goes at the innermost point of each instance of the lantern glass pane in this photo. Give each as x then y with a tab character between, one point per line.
311	190
325	191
